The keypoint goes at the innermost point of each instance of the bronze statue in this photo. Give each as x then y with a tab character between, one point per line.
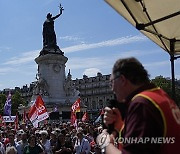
49	35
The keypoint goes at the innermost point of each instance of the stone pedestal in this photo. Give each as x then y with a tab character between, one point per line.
51	74
56	89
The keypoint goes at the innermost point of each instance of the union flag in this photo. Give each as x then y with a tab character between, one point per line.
38	111
76	106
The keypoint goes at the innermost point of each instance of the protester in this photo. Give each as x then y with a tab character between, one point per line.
150	113
22	143
82	145
2	148
45	142
53	140
33	147
62	147
12	142
11	150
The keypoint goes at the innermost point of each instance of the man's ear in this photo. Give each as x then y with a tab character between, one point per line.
123	80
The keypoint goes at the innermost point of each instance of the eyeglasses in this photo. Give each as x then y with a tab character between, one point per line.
115	76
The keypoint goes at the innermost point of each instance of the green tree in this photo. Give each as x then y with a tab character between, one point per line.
16	100
2	102
165	84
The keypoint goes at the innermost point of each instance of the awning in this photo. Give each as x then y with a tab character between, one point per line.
159	20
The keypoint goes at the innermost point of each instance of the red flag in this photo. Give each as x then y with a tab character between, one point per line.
76	106
102	112
2	123
73	119
85	117
16	122
24	117
38	112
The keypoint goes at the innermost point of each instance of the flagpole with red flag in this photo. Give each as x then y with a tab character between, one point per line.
16	122
24	117
85	117
75	108
73	119
38	111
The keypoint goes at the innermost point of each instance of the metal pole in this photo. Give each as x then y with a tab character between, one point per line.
173	78
172	43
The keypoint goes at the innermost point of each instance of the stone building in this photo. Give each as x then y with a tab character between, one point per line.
95	92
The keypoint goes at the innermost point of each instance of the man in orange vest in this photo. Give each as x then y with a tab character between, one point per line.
152	120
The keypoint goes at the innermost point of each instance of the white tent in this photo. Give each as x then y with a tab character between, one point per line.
159	20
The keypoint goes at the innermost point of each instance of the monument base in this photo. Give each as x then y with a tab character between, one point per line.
52	50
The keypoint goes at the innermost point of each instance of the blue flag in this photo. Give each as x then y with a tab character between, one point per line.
7	105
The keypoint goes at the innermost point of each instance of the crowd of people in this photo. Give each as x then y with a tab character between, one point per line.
149	114
54	138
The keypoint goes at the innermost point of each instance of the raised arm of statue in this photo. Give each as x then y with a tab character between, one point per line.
61	9
53	18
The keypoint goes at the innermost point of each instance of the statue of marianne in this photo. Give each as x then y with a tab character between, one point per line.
49	36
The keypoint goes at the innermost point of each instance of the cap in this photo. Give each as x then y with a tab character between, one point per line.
43	132
54	132
20	132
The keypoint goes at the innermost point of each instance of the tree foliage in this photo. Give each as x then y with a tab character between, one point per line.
2	102
166	85
16	101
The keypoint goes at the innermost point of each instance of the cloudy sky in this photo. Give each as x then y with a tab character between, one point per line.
90	33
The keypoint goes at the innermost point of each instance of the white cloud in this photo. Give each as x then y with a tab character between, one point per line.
6	70
24	58
31	55
105	62
80	63
108	43
91	71
70	38
159	63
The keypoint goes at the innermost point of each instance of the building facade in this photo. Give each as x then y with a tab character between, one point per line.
94	92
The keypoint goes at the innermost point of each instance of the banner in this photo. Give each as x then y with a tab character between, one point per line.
7	105
76	106
9	118
38	112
